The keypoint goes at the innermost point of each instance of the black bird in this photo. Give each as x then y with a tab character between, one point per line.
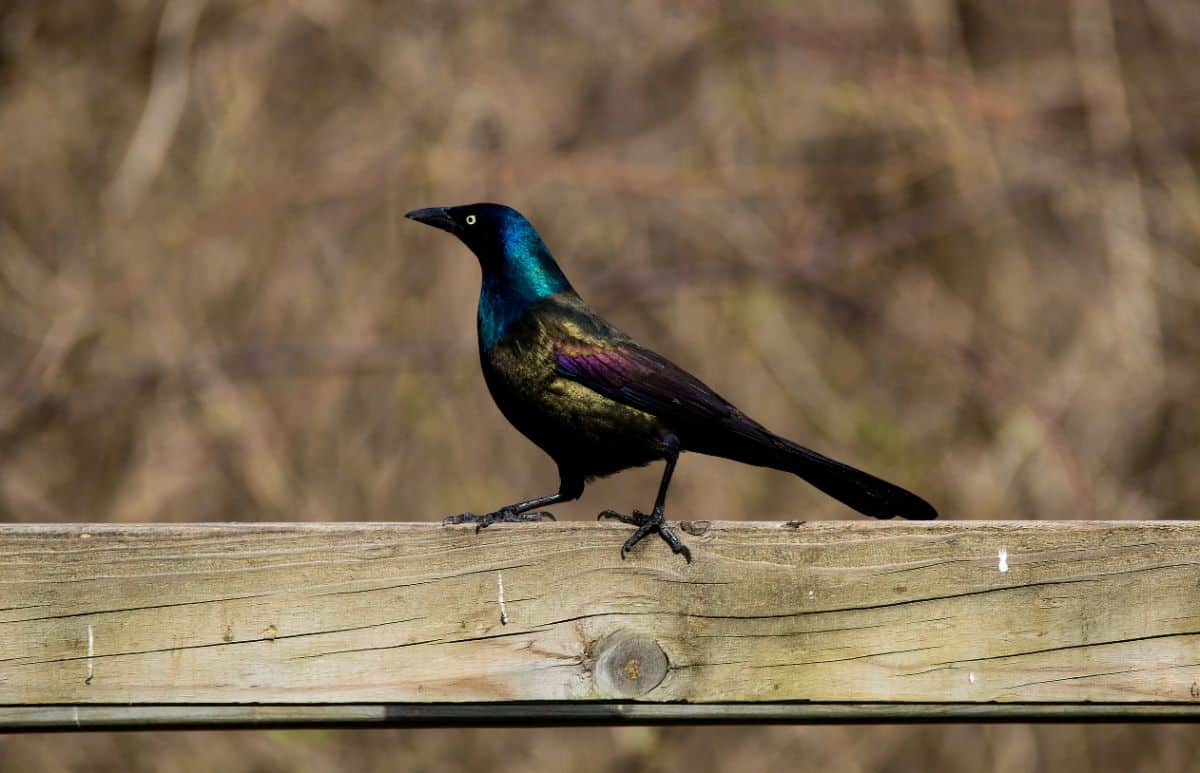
597	402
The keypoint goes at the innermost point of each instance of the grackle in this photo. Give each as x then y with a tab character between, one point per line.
597	402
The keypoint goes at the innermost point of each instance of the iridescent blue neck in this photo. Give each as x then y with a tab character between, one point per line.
523	274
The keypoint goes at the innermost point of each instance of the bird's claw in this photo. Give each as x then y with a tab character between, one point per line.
503	515
645	524
637	519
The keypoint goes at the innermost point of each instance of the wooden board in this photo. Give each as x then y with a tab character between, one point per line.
1029	615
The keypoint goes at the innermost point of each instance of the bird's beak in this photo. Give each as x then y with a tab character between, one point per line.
437	217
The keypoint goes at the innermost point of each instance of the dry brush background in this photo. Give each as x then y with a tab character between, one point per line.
956	242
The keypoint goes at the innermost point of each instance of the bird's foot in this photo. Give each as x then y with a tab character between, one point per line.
645	524
503	515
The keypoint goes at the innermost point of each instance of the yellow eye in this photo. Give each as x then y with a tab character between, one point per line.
470	220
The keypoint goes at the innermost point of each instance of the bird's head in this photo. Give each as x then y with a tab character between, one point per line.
494	232
518	268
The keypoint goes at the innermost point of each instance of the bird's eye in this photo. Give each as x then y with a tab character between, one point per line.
470	220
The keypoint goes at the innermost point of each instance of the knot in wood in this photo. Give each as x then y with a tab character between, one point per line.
628	664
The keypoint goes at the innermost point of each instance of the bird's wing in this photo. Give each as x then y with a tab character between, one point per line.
630	374
623	371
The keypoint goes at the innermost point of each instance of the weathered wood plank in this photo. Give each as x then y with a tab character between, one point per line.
828	613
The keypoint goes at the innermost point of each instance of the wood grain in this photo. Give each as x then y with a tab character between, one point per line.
374	615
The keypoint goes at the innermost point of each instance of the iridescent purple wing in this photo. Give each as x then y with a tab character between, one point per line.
642	379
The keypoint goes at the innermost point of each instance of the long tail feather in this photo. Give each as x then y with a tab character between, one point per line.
857	489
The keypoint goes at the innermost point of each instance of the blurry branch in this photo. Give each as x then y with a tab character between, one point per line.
248	363
164	105
1132	312
1180	21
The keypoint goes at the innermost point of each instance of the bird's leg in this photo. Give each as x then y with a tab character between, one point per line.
655	521
570	487
515	513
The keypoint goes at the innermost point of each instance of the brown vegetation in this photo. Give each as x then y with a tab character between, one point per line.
953	242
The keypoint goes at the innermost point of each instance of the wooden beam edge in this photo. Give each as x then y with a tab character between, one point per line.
944	524
556	713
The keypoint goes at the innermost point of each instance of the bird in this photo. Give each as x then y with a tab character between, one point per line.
597	402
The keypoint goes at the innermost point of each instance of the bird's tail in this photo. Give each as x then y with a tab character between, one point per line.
852	487
751	443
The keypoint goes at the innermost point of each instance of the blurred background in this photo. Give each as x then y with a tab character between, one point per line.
955	242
